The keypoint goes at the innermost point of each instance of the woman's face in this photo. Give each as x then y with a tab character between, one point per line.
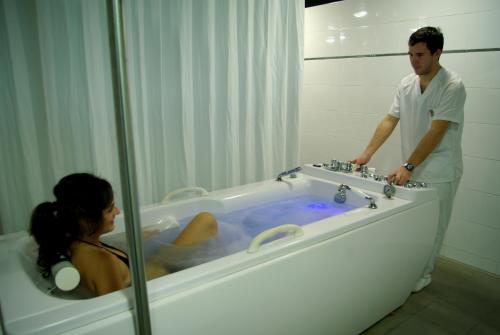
108	218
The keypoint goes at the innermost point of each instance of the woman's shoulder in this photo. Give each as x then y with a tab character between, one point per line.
101	271
94	255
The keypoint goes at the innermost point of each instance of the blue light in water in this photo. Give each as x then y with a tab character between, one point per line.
320	205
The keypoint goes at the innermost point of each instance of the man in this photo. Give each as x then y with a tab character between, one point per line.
430	106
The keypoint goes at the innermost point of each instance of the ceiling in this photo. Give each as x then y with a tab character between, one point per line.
311	3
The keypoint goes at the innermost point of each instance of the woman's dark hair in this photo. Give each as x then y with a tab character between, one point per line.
431	36
55	225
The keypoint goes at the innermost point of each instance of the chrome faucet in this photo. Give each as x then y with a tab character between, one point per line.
363	171
341	195
389	190
291	172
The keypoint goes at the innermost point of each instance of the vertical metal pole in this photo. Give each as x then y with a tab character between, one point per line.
127	166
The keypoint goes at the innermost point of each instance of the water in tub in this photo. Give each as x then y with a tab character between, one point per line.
238	228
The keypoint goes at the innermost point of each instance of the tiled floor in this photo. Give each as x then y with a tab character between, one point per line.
460	300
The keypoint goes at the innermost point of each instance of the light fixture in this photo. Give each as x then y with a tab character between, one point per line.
360	14
330	39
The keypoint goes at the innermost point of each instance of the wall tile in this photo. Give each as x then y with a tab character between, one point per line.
316	148
478	207
321	44
351	98
356	41
320	122
481	140
320	18
473	238
396	10
308	98
485	242
309	151
386	71
473	32
481	175
340	15
468	258
481	105
343	37
316	97
377	100
477	69
459	36
346	72
393	37
316	72
346	148
459	234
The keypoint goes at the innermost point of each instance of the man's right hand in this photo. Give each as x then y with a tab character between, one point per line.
383	131
361	159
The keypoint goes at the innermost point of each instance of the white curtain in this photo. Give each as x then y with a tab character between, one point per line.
214	92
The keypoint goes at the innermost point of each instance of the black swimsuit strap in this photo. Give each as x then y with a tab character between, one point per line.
114	248
105	246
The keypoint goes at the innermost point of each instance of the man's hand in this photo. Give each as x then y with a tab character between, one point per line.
361	159
383	131
399	176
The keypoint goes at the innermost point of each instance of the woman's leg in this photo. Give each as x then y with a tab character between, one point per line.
201	228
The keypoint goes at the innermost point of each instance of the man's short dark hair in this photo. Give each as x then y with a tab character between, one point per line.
429	35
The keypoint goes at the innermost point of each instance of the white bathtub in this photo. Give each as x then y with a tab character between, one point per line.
342	275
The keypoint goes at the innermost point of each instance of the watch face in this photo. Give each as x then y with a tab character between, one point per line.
408	166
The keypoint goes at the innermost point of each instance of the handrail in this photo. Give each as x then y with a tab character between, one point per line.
203	192
266	234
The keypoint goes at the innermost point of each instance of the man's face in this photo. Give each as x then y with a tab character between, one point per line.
421	58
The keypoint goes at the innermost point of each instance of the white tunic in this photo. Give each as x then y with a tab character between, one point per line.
443	99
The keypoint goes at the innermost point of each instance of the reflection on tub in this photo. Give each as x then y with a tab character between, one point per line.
349	267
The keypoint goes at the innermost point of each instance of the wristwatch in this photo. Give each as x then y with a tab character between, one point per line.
409	166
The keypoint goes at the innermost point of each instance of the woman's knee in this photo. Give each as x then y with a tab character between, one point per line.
208	221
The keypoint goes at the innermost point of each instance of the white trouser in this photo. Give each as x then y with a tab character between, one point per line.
446	195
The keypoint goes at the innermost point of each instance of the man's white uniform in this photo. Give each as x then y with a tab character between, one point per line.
443	99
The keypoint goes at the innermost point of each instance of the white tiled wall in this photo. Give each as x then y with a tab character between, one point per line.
344	99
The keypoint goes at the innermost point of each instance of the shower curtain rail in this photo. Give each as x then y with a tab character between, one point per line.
128	179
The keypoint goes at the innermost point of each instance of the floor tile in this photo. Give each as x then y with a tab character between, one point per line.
388	324
461	300
471	291
415	304
448	318
418	326
482	329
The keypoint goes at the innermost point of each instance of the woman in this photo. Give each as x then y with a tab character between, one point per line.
71	227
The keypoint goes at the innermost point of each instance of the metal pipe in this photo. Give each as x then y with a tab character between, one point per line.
127	166
286	173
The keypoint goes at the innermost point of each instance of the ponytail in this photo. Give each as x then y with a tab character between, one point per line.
51	232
